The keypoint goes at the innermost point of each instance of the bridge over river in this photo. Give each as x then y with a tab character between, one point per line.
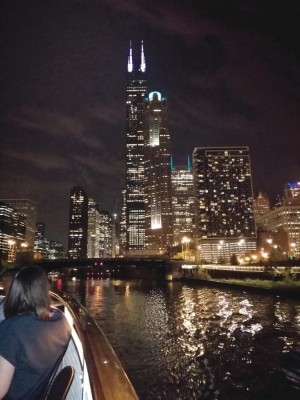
143	268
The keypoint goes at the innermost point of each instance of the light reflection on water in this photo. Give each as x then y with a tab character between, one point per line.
181	342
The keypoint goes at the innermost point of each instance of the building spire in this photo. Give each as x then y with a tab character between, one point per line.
172	164
189	163
130	62
143	60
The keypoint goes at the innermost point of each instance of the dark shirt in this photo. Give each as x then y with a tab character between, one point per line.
33	347
1	308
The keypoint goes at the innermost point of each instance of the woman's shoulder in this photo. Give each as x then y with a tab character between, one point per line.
56	314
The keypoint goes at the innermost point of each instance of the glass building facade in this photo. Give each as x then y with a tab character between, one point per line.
183	203
135	194
223	202
28	210
78	224
158	195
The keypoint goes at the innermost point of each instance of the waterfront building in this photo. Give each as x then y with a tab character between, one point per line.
78	224
55	250
225	224
94	220
44	248
115	243
28	210
122	237
41	244
105	236
183	202
135	196
286	217
157	169
261	205
12	232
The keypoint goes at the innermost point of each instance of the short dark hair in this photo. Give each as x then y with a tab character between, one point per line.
29	291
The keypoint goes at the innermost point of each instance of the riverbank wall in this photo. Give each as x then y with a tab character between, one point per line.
282	290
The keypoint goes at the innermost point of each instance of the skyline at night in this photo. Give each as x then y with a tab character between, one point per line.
230	72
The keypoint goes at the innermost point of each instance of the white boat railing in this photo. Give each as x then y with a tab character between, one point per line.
99	374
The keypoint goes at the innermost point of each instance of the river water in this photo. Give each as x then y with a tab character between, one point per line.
189	342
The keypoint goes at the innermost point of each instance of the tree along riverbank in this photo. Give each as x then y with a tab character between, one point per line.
287	287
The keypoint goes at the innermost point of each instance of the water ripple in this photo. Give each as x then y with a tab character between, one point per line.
181	342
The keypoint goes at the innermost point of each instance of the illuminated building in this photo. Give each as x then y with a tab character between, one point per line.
27	209
105	235
158	195
261	205
78	224
224	203
123	224
41	244
12	232
285	217
183	203
94	219
44	248
135	196
40	228
292	191
55	250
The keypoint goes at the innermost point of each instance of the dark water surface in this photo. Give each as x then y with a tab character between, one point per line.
185	342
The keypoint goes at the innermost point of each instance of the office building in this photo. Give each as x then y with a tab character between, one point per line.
105	236
123	234
223	203
285	217
94	220
78	224
28	210
291	193
158	195
135	196
261	205
55	250
45	249
41	244
12	232
183	203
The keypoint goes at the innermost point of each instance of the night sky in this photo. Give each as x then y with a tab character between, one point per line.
230	70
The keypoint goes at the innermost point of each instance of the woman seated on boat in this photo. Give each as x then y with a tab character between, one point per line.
33	336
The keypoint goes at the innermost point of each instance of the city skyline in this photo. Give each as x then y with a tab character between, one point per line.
230	73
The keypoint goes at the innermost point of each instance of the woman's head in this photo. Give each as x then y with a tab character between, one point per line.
29	291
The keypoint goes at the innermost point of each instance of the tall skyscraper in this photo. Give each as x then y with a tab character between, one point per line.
224	202
93	242
27	209
105	236
135	195
12	232
183	202
158	195
78	224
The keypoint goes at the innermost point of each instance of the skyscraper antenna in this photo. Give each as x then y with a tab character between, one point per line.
189	163
130	62
143	60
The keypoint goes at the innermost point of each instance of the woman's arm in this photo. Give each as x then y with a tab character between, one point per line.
7	371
